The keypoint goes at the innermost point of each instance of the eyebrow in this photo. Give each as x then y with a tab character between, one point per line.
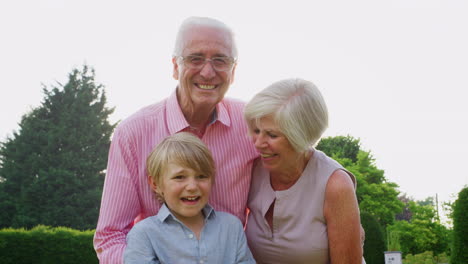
214	56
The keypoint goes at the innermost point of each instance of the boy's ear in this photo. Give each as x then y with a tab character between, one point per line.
152	184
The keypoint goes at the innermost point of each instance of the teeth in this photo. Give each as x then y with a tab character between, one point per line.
191	198
266	155
206	86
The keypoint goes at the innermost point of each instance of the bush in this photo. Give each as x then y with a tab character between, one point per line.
374	245
460	228
44	244
426	258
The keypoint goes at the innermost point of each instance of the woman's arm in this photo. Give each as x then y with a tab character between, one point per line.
341	212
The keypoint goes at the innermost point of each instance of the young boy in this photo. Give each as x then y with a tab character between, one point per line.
186	229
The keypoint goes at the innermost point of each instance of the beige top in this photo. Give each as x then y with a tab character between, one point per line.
299	232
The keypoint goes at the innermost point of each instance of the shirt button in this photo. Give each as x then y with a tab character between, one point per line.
190	236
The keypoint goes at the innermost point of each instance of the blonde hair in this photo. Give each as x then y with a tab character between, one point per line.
296	106
184	149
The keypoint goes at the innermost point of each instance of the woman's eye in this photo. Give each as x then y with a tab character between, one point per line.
203	177
272	135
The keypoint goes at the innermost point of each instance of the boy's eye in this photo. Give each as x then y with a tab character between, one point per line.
202	176
178	177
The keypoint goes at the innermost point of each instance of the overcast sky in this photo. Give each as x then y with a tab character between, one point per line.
394	73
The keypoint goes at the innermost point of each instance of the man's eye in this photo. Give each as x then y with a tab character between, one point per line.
196	60
219	61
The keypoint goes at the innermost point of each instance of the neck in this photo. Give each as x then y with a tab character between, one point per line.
197	115
195	224
283	180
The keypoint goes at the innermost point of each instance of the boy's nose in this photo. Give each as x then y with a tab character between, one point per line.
191	184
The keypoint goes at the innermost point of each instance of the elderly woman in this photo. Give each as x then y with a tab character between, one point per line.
303	207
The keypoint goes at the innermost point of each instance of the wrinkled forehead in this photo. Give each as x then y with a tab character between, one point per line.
202	39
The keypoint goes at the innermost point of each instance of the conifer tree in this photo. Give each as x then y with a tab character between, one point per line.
52	168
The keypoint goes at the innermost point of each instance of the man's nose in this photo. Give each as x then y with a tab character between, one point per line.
207	71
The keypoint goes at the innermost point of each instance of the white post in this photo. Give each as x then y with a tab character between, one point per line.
393	257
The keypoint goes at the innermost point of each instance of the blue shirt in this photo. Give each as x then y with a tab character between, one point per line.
164	239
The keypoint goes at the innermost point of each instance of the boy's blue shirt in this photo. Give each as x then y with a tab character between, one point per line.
164	239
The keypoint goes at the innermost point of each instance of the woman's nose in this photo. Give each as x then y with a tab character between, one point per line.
259	141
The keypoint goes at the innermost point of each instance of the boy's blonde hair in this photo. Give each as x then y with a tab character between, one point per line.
184	149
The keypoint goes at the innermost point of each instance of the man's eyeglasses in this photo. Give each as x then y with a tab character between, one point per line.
218	63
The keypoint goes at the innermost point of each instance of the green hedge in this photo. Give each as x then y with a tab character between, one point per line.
460	228
374	244
47	245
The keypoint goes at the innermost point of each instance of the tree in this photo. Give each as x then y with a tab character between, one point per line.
340	147
460	228
52	169
423	231
375	194
374	244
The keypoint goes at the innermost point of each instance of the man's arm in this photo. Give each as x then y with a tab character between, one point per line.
120	203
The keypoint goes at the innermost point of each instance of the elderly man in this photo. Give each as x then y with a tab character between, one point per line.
204	65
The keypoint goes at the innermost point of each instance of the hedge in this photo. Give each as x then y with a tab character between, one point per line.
460	228
374	244
47	245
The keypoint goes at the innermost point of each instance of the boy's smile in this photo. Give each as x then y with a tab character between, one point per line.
185	192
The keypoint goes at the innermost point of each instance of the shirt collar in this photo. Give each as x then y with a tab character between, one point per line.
176	121
164	213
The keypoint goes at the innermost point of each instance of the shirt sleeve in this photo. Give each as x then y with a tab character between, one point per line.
244	256
139	248
120	203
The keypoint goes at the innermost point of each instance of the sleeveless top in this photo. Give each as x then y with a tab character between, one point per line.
299	228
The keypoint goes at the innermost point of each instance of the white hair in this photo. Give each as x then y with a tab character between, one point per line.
297	107
197	22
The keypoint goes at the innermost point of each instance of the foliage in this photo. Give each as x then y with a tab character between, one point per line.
44	244
423	232
406	214
393	241
374	244
52	170
340	147
374	193
460	228
426	257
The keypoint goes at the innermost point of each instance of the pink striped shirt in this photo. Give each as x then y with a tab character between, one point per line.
127	197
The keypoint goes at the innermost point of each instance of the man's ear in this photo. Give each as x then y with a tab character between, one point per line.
175	71
233	74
